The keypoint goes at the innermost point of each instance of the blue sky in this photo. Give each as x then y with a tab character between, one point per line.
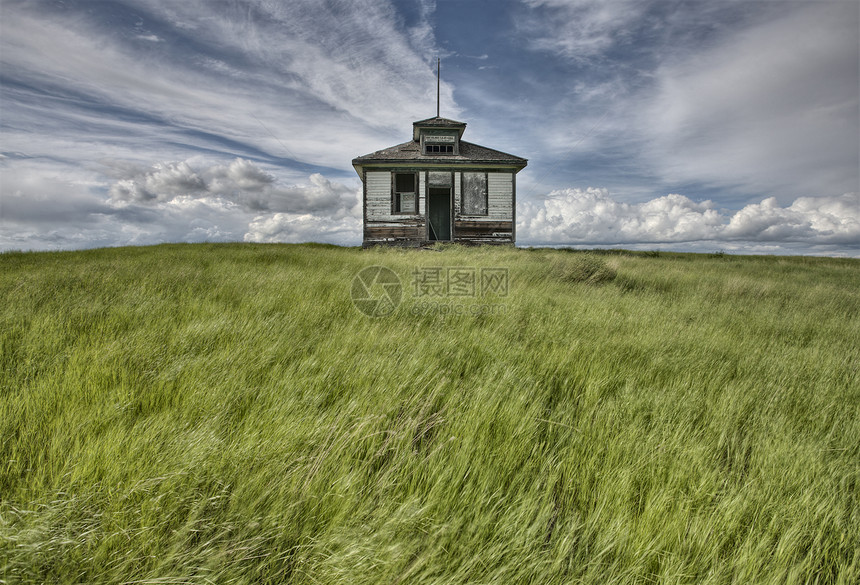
649	124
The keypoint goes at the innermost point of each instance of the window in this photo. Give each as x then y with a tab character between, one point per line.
434	144
438	149
405	190
474	194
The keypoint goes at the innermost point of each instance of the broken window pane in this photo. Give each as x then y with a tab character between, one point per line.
405	197
405	183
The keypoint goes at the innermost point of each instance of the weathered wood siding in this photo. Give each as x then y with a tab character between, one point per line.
378	204
440	178
500	196
483	232
380	225
458	193
422	195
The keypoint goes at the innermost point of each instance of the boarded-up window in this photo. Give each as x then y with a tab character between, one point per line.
474	194
405	193
440	179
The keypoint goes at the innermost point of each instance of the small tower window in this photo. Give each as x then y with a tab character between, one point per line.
434	144
438	149
405	193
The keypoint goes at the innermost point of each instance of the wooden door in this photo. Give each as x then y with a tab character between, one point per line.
439	214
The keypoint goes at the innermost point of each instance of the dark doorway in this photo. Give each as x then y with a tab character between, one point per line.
439	213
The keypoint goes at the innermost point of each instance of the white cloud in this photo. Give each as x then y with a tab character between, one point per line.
826	220
772	108
422	36
592	216
240	182
173	201
295	228
29	195
196	200
300	80
751	98
164	182
579	29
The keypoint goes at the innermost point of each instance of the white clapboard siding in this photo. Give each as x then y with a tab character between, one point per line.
378	195
457	193
500	194
422	190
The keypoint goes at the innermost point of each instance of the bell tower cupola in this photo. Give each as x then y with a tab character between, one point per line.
438	136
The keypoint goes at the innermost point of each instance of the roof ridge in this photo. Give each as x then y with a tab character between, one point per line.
411	151
439	121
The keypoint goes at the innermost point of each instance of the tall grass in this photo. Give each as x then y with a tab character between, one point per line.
224	414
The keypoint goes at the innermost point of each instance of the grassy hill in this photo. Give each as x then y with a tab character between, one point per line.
225	414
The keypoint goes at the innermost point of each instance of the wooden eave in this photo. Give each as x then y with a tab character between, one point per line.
409	155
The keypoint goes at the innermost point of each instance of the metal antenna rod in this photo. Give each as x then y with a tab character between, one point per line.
437	86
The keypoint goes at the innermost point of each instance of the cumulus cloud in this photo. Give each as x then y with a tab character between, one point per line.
826	220
60	221
172	201
240	174
319	210
295	228
240	182
592	216
162	183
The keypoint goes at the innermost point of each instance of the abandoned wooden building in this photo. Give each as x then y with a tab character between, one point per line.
439	188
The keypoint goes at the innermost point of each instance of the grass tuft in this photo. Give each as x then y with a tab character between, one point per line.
578	267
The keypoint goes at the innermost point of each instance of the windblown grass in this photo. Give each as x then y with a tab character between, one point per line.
224	414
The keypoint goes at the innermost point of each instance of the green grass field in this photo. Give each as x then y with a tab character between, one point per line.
224	414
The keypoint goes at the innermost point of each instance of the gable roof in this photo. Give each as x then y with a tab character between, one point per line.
437	123
469	154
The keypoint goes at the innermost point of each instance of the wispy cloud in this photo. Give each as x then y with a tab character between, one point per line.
771	108
313	75
581	29
754	99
